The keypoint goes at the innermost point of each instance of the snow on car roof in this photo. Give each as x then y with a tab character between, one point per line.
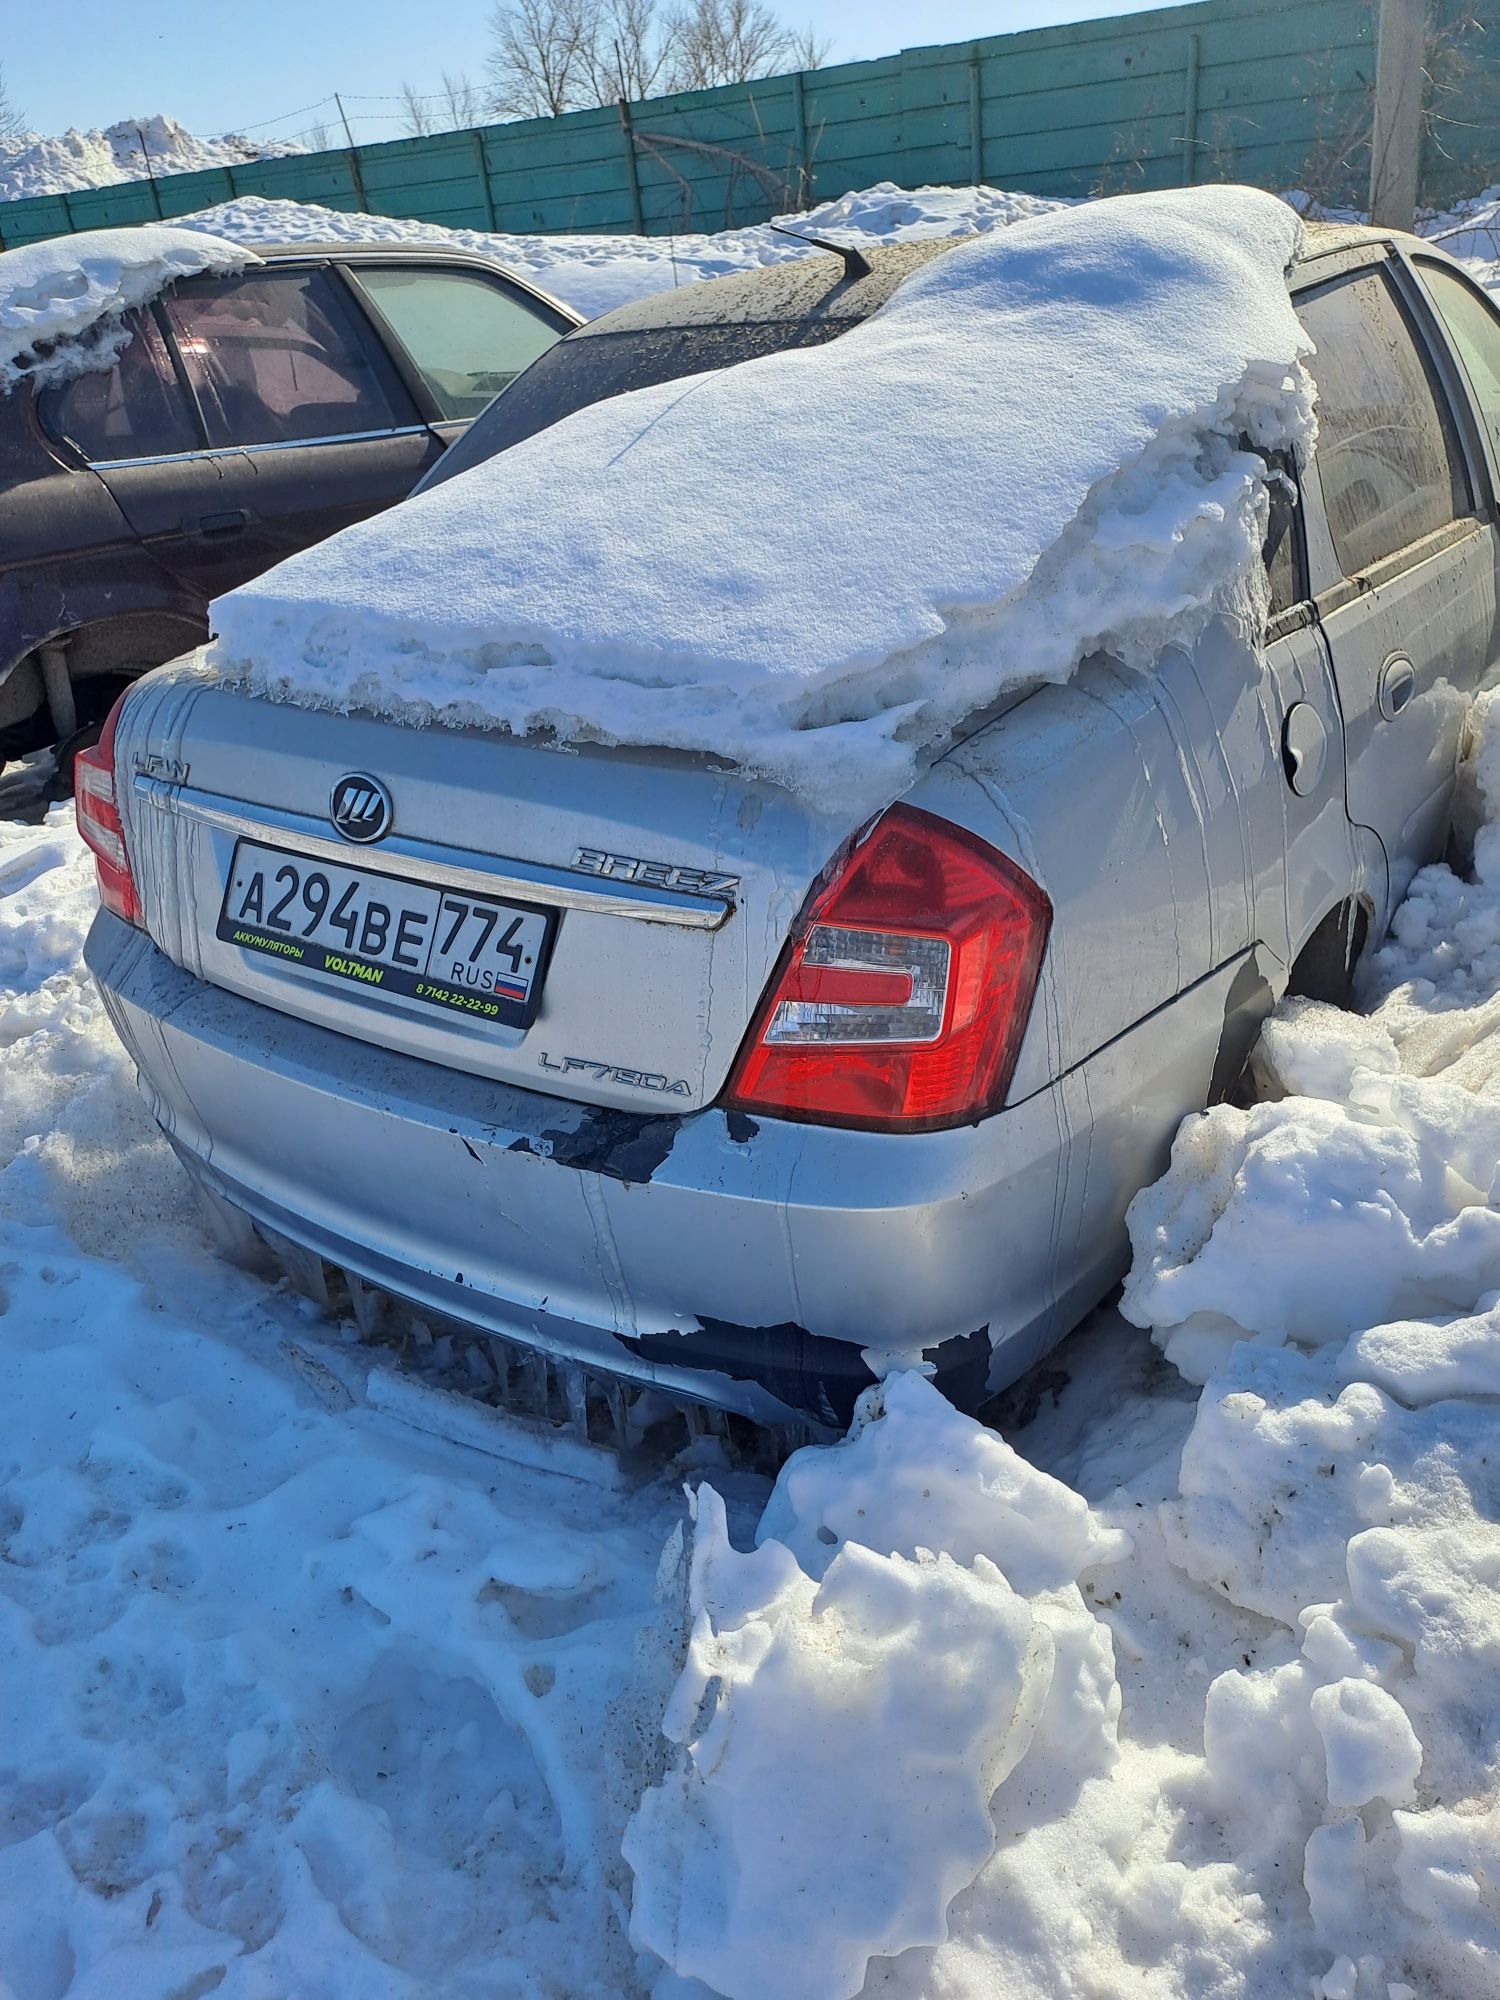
61	300
818	563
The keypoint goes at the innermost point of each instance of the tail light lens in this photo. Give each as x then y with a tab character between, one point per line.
98	814
904	991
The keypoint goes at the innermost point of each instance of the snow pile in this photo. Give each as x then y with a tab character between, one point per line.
593	274
1330	1261
836	554
33	164
852	1700
62	301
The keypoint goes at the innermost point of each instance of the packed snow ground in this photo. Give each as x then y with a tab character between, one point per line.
775	603
33	163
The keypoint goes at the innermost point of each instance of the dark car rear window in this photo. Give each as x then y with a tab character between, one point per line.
587	367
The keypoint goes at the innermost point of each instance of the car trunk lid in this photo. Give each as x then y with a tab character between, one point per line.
651	892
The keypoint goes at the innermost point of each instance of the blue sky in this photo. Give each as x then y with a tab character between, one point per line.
219	67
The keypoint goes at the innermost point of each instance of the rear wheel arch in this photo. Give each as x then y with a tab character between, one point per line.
99	657
1325	966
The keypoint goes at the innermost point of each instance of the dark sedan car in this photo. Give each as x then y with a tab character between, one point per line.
247	417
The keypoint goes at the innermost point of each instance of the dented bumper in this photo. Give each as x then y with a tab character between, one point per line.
753	1263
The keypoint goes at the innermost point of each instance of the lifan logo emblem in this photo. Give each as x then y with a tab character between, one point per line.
361	807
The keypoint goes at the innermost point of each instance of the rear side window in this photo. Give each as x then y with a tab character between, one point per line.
137	409
1388	459
278	357
468	338
587	367
1475	330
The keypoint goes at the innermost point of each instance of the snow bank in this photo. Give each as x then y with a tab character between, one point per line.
32	163
1328	1262
835	555
851	1701
61	301
593	274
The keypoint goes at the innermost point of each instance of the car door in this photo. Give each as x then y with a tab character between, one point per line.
1402	562
1469	327
301	425
464	334
1307	827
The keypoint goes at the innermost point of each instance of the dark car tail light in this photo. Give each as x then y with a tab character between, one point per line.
904	990
99	821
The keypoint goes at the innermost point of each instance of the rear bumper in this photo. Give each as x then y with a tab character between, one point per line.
751	1263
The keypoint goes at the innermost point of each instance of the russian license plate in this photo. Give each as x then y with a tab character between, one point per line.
466	953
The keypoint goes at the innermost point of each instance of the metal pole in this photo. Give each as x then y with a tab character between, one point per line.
799	140
632	175
359	179
1190	115
481	166
976	123
1396	137
150	172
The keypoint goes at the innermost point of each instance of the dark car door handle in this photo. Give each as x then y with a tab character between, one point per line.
232	522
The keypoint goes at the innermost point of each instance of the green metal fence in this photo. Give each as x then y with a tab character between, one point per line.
1252	90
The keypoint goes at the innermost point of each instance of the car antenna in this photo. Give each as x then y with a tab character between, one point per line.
856	263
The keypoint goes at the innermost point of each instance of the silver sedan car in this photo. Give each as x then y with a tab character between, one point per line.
647	1066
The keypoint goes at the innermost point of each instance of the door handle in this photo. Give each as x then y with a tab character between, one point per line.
233	521
1398	683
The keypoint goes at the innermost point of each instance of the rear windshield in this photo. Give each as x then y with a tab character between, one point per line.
587	367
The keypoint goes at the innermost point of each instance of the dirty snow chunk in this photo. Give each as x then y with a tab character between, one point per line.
851	1700
61	301
930	1477
836	554
594	274
1377	1194
1310	1050
842	1741
1371	1748
1422	1360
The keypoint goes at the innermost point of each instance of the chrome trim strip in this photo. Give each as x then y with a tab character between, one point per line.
251	450
452	867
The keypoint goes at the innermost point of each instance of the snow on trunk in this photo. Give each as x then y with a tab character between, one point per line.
818	563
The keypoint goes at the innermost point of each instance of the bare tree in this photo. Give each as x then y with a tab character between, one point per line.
460	101
540	62
631	49
319	138
807	48
561	55
11	120
414	113
730	41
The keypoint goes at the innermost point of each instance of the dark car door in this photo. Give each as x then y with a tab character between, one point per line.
299	423
1405	576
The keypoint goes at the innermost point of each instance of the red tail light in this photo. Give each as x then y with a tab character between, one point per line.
905	988
99	821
